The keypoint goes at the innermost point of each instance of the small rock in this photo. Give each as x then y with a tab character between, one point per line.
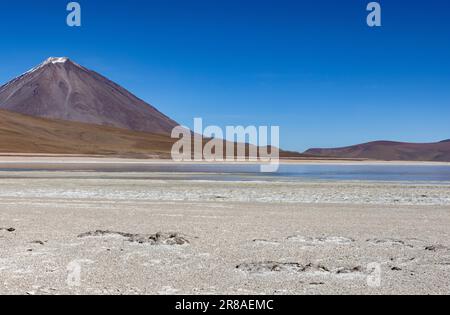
8	229
434	248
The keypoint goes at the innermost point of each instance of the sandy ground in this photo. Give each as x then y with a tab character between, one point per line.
64	233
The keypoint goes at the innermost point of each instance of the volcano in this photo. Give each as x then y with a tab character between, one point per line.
61	89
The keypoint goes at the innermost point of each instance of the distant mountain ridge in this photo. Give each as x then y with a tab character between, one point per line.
390	151
59	88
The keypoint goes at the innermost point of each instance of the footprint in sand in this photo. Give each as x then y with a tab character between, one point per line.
152	239
266	242
310	269
333	240
389	242
306	240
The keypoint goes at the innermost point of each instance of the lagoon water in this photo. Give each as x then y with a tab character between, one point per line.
426	173
248	172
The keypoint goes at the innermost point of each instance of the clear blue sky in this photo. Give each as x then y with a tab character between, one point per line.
312	67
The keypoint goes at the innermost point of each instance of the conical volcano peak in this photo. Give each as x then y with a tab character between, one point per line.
61	89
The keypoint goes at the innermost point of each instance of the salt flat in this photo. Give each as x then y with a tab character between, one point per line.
95	233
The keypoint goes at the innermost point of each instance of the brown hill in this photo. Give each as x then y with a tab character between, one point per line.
390	151
61	89
26	134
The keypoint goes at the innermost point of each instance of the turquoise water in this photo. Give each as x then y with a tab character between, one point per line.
409	173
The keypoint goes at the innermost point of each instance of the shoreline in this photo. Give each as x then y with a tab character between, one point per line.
199	177
100	159
407	173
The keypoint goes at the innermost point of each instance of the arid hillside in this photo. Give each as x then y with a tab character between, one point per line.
25	134
390	151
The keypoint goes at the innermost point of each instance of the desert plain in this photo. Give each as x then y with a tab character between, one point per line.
92	232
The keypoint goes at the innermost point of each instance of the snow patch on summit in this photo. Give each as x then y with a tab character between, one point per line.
55	60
